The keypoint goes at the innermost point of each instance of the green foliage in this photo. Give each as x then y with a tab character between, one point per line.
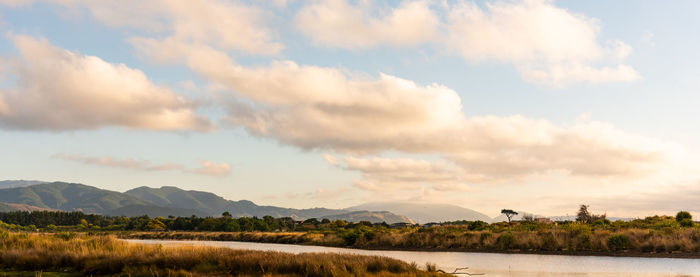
509	213
477	226
686	222
682	215
505	241
618	242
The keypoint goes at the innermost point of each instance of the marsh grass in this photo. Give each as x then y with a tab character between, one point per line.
572	239
106	255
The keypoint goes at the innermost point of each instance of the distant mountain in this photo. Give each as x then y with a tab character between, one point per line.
154	211
425	212
163	201
205	202
214	205
69	197
377	217
18	183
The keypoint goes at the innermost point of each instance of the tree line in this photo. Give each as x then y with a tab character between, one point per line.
61	220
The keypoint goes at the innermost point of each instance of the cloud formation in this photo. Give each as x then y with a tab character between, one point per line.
56	89
206	167
338	23
547	44
325	108
354	114
229	25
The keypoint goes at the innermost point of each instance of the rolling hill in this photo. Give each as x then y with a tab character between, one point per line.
163	201
214	205
154	211
69	197
425	212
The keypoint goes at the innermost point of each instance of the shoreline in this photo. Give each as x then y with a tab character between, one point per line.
469	250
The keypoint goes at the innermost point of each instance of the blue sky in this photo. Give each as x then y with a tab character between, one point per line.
304	116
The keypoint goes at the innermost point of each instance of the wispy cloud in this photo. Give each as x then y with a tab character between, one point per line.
206	167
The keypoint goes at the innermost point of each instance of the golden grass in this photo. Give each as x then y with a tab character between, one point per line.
106	255
665	242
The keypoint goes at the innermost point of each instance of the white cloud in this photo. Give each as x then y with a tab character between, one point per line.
338	23
213	169
207	167
224	24
325	108
58	89
549	45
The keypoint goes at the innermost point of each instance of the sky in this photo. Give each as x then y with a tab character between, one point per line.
531	105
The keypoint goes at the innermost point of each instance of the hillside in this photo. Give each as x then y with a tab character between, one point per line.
154	211
205	202
69	197
425	212
162	201
214	205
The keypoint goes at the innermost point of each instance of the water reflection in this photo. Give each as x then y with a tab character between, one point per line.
505	265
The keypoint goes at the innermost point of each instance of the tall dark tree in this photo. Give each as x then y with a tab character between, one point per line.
509	213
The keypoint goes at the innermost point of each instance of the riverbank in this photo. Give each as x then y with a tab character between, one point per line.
494	243
84	254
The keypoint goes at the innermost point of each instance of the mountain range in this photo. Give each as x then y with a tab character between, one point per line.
162	201
165	201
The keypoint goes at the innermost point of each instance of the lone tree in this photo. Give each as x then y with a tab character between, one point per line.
684	219
680	216
586	217
509	213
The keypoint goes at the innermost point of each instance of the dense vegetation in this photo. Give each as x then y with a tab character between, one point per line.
84	255
76	221
656	235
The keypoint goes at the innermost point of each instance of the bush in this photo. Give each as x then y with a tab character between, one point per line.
477	225
680	216
618	242
686	222
505	241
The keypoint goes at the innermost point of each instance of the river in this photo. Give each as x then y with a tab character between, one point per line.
491	264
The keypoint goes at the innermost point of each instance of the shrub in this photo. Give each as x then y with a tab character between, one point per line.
680	216
618	242
686	222
477	225
505	241
549	242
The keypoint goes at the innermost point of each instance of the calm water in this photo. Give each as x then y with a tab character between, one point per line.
494	264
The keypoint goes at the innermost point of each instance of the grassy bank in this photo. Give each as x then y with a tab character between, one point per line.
574	239
105	255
